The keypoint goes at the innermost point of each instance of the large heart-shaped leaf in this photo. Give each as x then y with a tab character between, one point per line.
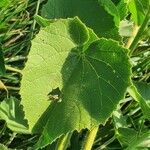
96	14
92	76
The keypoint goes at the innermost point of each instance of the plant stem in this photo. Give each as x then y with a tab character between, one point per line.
11	138
2	86
13	69
90	139
139	33
3	129
16	58
63	141
130	40
12	88
107	143
34	21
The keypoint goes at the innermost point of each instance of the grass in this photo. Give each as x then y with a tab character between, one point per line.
17	28
15	37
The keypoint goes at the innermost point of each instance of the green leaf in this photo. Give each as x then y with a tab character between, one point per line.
2	64
3	147
42	21
139	9
144	89
11	111
125	135
4	3
119	119
89	11
122	9
134	140
111	9
84	76
92	37
138	96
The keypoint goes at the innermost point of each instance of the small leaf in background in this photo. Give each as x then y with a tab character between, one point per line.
2	64
144	89
3	147
125	135
133	140
111	9
12	112
4	3
2	86
42	21
137	92
119	119
84	76
89	11
122	9
138	9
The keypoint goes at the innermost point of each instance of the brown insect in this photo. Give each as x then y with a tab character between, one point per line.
55	95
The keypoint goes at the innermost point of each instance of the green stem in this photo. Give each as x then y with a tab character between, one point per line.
2	86
12	88
11	138
34	21
139	33
13	69
134	33
3	129
107	143
16	58
90	139
63	141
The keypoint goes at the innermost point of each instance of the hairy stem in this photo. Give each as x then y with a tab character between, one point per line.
103	146
2	86
134	33
12	88
139	33
90	139
13	69
63	141
16	58
11	138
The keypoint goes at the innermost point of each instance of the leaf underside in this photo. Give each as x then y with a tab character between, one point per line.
91	73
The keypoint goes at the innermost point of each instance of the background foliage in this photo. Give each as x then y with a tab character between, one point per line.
92	58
